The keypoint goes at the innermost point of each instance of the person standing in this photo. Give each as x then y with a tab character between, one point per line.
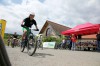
98	40
73	39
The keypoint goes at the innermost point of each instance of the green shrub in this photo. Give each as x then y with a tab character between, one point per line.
51	39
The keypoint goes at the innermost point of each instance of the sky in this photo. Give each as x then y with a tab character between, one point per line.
65	12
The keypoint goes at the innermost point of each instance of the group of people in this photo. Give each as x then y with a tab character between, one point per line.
13	40
72	41
68	42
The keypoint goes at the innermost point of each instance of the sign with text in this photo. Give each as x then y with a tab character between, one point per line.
49	44
2	27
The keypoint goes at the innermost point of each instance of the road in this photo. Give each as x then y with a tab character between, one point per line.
53	57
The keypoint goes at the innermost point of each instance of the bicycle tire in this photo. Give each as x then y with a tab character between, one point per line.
12	45
31	46
39	45
22	47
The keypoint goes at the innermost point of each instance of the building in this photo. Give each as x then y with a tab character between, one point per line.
52	29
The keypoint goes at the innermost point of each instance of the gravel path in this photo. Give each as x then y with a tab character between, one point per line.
52	57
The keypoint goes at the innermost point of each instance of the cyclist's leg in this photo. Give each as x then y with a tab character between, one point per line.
25	31
28	31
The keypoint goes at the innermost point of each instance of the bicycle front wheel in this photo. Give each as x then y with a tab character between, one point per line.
39	44
31	46
22	46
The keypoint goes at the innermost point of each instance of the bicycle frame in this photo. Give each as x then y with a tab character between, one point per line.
30	42
27	36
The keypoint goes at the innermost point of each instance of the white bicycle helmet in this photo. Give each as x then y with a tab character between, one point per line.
32	13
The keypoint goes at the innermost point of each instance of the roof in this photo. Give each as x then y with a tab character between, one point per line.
57	27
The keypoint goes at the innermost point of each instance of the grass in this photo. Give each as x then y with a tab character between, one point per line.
5	41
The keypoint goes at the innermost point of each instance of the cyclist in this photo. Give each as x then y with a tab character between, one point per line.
27	23
15	35
14	39
40	41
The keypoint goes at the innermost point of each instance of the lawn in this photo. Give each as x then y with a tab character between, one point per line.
5	41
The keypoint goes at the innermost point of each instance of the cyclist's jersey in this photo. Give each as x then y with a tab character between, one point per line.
28	22
15	36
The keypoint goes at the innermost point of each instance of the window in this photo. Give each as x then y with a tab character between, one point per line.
48	32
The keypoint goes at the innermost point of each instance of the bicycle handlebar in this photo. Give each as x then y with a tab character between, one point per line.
33	29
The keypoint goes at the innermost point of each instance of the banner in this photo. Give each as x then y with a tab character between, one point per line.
49	44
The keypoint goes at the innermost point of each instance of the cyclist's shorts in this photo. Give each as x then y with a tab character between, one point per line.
25	29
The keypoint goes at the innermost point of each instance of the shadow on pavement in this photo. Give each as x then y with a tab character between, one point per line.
41	55
25	52
97	51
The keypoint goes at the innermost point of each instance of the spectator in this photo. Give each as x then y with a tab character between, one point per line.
14	40
15	35
79	37
98	40
69	42
63	43
73	39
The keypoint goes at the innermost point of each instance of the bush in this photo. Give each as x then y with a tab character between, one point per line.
51	39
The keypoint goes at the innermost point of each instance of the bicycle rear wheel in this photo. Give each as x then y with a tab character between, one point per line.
32	45
39	44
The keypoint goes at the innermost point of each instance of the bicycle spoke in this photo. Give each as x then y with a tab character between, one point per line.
31	47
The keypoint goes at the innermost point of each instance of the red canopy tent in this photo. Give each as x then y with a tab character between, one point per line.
83	29
90	30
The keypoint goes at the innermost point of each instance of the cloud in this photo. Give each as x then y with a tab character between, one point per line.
65	12
42	1
17	1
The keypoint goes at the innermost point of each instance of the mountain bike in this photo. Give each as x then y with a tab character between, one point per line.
39	44
14	42
30	43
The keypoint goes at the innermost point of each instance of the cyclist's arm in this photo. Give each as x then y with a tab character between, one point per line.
36	26
22	23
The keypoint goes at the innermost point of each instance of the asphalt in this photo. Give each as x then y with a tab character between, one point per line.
53	57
